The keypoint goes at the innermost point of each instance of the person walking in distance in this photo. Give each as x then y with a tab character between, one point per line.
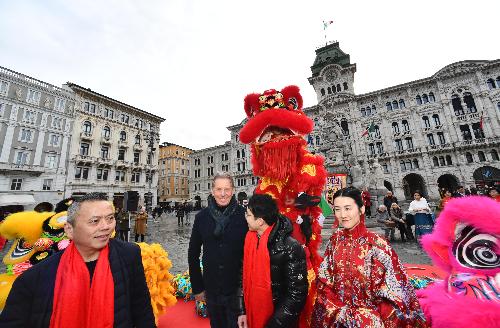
141	224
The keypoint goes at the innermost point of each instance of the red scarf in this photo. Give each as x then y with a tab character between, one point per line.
257	279
77	303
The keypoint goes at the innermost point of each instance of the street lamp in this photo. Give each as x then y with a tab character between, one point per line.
151	137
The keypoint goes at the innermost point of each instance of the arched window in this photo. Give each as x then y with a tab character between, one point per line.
406	126
427	123
345	126
448	160
138	139
388	105
409	165
491	84
498	81
329	90
415	164
469	102
338	88
377	131
243	153
481	156
238	153
436	119
469	157
123	136
419	100
402	103
368	111
494	155
363	113
345	86
322	91
106	132
431	97
402	165
374	110
442	162
425	100
87	127
395	127
435	161
498	105
318	140
333	89
395	104
457	105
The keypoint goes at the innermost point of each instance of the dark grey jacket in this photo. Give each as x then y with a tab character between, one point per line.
30	301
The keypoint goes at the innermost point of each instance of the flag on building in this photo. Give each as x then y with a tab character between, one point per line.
369	129
326	24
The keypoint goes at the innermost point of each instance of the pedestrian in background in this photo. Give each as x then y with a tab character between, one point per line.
396	215
361	282
389	226
122	223
389	199
447	196
274	268
180	215
493	193
141	224
367	202
422	215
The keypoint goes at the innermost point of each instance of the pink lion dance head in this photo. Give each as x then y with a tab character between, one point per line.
466	244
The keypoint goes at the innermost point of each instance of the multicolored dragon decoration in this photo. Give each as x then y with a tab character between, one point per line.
294	177
465	244
36	236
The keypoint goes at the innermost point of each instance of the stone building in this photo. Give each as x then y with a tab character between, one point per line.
114	148
437	132
232	157
173	187
36	120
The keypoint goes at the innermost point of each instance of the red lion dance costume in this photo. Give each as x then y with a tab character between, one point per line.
288	172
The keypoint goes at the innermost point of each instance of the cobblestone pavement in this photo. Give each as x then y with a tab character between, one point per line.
175	240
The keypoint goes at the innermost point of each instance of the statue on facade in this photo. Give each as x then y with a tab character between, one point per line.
356	171
47	103
334	142
376	176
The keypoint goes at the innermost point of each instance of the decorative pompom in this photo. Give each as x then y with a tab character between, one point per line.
62	244
43	243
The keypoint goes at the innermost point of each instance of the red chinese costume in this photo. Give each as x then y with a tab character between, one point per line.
361	283
288	172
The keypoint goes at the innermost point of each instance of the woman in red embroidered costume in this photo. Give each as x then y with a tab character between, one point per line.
361	282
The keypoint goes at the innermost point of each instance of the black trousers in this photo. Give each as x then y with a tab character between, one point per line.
123	235
180	220
220	311
137	237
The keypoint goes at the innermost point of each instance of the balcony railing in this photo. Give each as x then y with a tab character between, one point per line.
86	135
11	167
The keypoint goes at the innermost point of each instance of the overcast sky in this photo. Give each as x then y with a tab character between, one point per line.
193	62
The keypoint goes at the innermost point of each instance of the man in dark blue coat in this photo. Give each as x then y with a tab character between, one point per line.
33	300
220	229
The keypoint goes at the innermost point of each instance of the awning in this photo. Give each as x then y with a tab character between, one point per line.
16	199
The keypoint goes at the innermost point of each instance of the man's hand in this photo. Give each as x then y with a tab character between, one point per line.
242	321
200	297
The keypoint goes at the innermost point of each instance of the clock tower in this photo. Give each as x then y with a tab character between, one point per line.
332	72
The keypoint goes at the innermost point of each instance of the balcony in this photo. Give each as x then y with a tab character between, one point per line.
122	143
138	147
104	161
86	136
83	159
105	140
18	168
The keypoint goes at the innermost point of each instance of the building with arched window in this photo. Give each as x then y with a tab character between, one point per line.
432	133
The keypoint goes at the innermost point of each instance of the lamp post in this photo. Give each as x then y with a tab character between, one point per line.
151	136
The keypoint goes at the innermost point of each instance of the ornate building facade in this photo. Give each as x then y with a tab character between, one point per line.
173	187
36	120
437	132
232	157
114	148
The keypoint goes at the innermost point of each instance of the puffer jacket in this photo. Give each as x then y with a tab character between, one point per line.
288	275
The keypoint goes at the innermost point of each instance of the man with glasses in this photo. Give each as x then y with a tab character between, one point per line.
95	282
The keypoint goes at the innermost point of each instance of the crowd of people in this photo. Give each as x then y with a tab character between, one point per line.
418	214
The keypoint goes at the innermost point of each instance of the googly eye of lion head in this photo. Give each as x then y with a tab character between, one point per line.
62	219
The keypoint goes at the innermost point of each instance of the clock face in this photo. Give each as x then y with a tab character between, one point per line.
330	76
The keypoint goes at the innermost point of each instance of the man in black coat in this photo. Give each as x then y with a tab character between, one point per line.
389	199
287	268
90	225
220	229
